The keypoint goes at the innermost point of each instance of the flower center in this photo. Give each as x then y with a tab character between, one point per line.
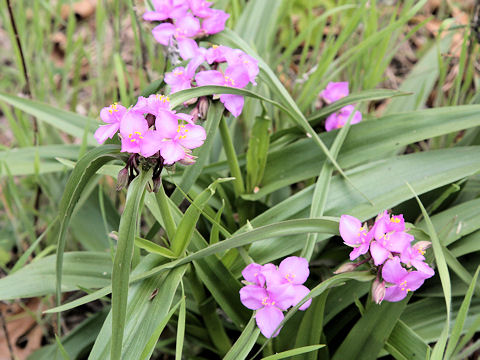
182	132
177	73
267	302
135	136
113	108
395	219
229	81
403	286
162	98
290	277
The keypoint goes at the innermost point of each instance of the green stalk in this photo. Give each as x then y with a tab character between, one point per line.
238	185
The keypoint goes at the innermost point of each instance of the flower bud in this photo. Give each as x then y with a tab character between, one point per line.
188	159
190	102
378	290
122	179
202	107
194	113
424	245
347	267
157	182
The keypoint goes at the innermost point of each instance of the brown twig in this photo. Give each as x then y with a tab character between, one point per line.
28	92
28	87
7	337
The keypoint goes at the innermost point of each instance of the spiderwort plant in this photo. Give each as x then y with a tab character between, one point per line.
386	246
270	290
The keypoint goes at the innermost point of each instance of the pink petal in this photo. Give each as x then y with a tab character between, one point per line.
415	279
350	230
239	74
193	65
233	103
130	147
251	272
379	253
268	320
294	269
188	48
171	151
300	292
187	26
195	135
106	131
166	124
398	241
281	294
332	122
393	272
423	267
163	33
216	22
360	250
154	16
394	294
272	275
334	91
380	227
113	113
150	143
251	296
133	122
210	77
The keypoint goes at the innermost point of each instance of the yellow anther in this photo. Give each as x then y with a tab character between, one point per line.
395	219
214	46
138	133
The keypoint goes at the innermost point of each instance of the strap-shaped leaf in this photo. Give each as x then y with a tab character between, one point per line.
123	259
86	167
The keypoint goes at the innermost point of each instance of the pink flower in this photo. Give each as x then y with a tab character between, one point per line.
413	256
334	91
112	115
136	137
269	304
166	9
271	290
185	27
355	235
178	136
215	22
402	280
339	119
